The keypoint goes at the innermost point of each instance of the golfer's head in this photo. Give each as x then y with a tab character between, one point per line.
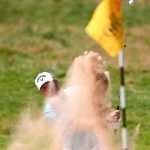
47	84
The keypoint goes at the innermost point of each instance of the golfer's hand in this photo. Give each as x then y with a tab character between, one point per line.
115	115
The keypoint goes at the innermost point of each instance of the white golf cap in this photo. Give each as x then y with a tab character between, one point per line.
43	78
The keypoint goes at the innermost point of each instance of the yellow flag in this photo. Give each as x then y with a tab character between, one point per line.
106	26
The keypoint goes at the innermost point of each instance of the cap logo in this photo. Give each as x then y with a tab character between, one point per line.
40	78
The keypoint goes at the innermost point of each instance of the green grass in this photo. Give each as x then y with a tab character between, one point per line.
46	35
4	141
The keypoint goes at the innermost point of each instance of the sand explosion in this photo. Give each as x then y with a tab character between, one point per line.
83	121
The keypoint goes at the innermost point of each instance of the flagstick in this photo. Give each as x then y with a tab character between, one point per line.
123	101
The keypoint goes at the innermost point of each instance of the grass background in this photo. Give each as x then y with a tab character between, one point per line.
46	35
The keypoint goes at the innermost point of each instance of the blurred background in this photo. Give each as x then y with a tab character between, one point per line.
46	35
